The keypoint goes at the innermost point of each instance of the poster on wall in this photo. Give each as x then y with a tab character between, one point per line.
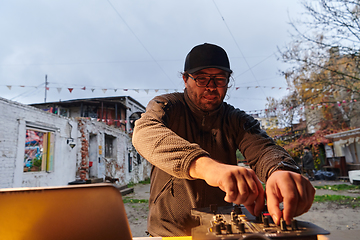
329	151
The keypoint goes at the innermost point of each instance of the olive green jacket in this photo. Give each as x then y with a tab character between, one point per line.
172	133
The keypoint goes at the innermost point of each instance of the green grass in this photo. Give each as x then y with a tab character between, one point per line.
339	199
131	200
131	184
339	187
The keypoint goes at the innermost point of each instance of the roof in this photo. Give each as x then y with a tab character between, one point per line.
345	134
93	101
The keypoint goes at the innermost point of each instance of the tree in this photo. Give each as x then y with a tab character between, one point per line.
324	55
286	109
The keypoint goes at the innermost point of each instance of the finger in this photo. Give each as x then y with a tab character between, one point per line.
308	197
260	200
251	208
244	191
252	181
273	202
248	188
303	193
290	200
229	186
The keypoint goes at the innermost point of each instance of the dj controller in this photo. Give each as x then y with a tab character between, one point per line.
236	222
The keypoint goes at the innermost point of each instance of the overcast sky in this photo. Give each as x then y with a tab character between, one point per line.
110	46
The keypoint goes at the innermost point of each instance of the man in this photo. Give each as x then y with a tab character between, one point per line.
308	163
191	139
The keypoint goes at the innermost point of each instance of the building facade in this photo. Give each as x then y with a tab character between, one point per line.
78	139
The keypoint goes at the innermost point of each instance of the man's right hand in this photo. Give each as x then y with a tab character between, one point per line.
240	184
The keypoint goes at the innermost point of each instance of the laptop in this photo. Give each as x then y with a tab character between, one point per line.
89	211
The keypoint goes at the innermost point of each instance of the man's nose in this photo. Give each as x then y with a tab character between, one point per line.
211	83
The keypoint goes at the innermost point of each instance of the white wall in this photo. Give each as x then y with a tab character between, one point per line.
13	120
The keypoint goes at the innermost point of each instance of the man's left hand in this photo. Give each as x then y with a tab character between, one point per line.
295	191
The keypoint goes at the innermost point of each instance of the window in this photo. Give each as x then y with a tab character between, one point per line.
138	158
130	162
109	146
39	150
64	112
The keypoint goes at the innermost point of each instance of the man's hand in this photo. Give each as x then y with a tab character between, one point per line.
240	184
294	190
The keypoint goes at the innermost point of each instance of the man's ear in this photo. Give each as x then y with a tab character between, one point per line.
185	80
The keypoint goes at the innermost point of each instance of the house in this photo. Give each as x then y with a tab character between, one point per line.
33	147
345	144
270	121
52	144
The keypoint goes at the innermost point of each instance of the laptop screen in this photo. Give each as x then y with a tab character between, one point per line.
89	211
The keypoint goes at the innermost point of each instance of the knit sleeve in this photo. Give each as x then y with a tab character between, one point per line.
260	151
158	144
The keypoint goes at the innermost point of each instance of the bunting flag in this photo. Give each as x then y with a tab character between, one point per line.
84	88
309	106
314	106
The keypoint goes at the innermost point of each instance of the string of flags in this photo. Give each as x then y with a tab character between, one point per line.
309	106
104	90
92	89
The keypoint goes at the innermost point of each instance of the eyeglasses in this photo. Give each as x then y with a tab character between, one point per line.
204	80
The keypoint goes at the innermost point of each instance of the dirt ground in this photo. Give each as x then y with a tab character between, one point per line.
329	216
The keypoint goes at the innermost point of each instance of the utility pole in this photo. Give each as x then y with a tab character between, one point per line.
46	84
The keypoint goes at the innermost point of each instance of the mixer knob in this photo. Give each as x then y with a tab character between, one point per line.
283	225
213	208
228	229
241	227
222	226
294	226
237	209
217	229
266	221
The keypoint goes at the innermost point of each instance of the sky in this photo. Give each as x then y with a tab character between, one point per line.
137	48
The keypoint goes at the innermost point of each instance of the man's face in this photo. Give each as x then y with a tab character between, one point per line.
209	97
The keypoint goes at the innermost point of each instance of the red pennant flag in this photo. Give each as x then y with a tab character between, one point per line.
47	88
84	88
70	89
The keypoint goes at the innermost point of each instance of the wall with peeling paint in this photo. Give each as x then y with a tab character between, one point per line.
92	140
89	159
14	118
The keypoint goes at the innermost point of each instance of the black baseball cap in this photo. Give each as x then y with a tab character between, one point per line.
206	56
